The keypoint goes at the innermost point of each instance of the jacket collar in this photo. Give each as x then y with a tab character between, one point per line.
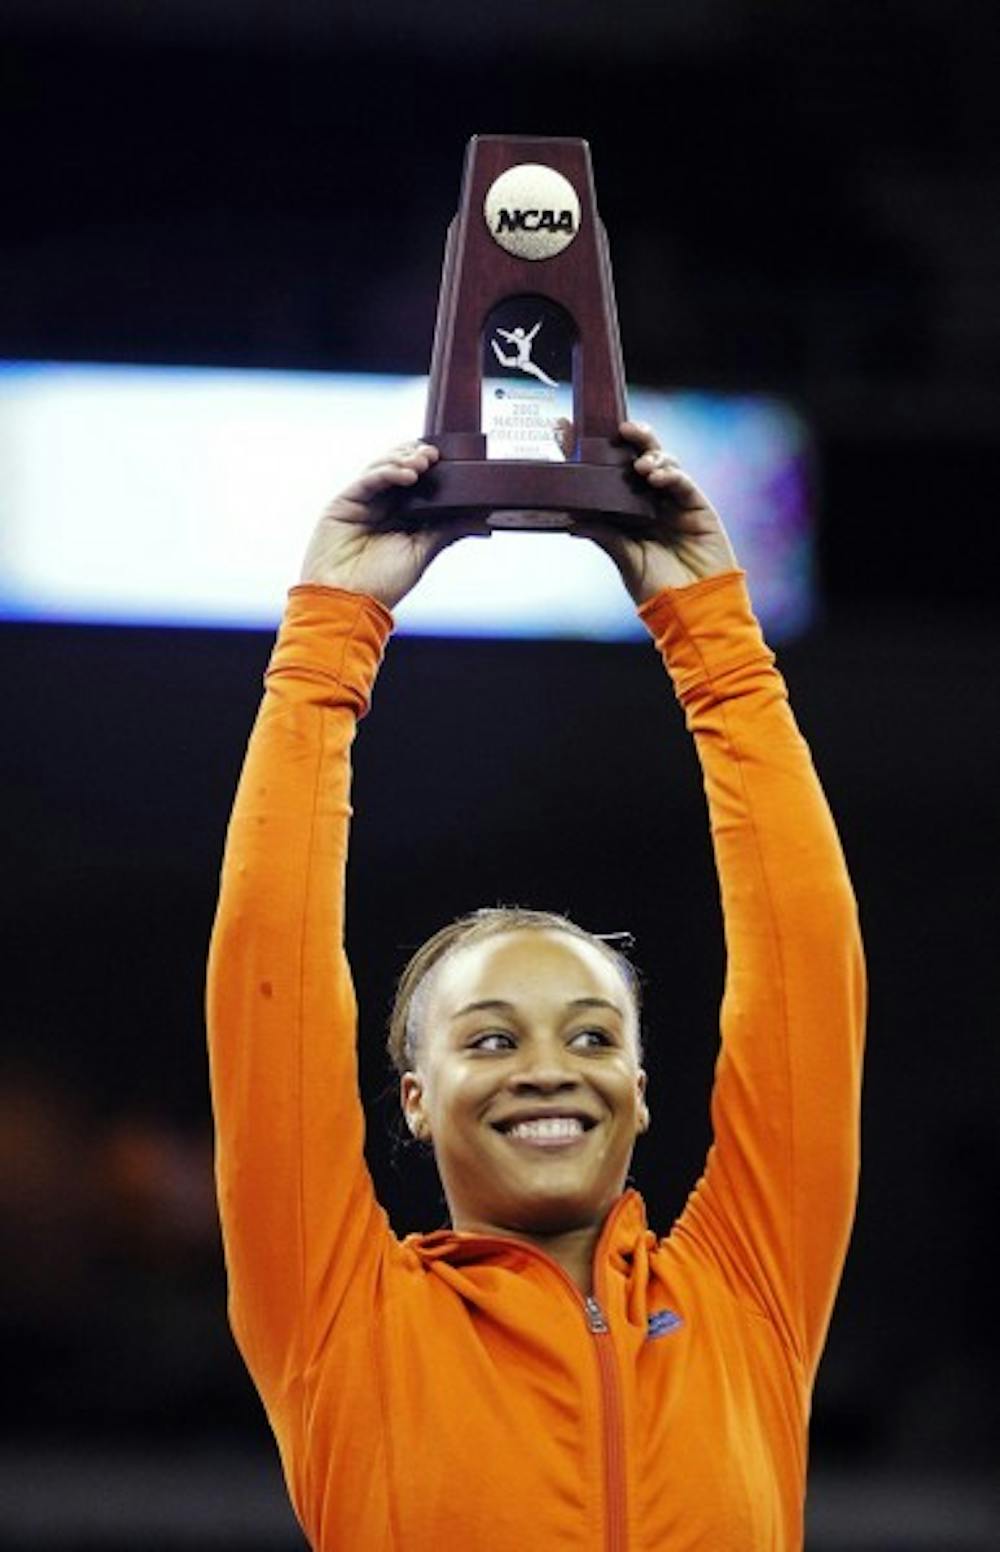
623	1228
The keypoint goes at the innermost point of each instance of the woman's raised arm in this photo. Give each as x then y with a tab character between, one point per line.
301	1227
774	1208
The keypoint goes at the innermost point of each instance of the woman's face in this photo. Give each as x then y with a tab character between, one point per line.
518	1031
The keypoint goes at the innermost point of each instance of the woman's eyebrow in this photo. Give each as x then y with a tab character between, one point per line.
487	1002
596	1002
498	1004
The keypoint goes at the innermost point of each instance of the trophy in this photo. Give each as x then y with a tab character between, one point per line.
527	334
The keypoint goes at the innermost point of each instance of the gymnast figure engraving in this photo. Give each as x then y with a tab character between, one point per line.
521	361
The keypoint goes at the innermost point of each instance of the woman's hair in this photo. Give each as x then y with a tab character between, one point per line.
414	983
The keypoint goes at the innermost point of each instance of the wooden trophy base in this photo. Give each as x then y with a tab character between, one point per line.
522	494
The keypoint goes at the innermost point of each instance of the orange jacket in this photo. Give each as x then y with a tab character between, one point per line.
459	1384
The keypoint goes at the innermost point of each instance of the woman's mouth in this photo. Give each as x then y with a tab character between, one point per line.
554	1132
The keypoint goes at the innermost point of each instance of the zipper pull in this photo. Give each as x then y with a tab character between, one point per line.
595	1315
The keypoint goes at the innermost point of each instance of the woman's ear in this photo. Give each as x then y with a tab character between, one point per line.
411	1098
643	1108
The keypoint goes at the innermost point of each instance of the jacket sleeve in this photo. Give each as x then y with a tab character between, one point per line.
776	1202
300	1221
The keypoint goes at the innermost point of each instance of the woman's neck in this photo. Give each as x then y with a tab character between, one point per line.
573	1249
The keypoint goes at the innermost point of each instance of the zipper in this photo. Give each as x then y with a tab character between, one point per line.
616	1529
612	1421
595	1315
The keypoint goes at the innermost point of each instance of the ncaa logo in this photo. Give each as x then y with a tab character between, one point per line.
532	211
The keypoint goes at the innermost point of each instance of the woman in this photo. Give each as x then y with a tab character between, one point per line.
546	1372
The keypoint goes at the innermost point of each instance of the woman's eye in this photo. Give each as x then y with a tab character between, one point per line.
599	1036
500	1040
482	1044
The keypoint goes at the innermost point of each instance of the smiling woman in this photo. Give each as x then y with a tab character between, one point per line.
547	1371
521	1032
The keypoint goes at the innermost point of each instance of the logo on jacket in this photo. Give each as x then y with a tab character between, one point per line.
663	1322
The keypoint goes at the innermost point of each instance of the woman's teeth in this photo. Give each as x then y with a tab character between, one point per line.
560	1126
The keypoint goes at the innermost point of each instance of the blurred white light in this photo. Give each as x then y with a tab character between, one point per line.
187	496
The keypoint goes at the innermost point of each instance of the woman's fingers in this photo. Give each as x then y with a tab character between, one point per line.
402	466
660	468
663	472
384	474
639	433
564	435
415	456
656	464
680	487
407	452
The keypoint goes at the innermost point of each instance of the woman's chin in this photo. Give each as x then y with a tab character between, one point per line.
550	1211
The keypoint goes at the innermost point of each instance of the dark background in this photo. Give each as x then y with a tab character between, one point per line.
800	198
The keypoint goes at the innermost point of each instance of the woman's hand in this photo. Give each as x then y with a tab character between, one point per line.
357	546
686	544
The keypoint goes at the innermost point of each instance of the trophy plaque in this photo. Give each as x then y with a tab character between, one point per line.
527	334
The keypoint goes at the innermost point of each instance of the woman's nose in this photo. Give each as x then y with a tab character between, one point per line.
543	1070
